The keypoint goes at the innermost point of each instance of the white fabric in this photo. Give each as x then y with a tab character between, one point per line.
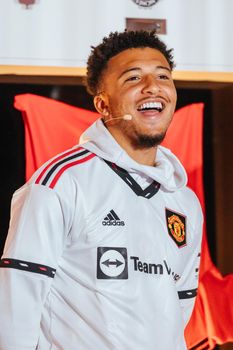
93	303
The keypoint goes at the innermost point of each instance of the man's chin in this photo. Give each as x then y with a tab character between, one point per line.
148	141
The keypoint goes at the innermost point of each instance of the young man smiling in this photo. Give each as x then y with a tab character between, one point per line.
137	82
104	242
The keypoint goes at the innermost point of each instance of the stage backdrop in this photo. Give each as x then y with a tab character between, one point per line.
61	32
52	127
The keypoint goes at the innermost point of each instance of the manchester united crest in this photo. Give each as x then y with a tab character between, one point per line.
176	225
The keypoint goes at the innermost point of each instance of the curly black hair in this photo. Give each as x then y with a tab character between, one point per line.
115	43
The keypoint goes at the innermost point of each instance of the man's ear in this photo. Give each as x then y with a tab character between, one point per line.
101	105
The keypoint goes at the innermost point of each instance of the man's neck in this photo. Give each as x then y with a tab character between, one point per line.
145	156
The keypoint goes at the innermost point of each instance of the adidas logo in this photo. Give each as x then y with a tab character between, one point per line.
112	220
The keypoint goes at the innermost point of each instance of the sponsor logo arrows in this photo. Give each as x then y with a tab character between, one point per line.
109	262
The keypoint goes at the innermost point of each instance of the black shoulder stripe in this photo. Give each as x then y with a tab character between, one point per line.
65	160
187	294
27	266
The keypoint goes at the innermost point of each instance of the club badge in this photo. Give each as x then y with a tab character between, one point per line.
176	225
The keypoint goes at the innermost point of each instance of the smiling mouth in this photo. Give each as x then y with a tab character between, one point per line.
151	106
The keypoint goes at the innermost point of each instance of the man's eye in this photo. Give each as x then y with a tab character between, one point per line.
164	77
133	78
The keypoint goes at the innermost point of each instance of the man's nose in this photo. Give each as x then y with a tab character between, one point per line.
151	85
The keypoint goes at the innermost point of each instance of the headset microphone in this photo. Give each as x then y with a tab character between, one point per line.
125	117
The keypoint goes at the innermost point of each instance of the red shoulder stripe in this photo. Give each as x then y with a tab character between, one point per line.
61	171
56	160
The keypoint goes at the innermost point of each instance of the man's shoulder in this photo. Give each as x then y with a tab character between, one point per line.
191	201
54	169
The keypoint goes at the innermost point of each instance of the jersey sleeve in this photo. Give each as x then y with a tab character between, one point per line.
36	238
187	285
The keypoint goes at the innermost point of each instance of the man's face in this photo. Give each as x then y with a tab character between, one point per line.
138	82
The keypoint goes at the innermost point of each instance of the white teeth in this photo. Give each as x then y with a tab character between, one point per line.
151	105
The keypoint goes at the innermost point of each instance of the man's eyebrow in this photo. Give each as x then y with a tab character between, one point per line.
139	69
129	70
164	67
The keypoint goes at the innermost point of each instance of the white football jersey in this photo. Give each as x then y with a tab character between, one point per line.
102	253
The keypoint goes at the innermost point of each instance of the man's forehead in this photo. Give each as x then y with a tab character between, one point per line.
137	57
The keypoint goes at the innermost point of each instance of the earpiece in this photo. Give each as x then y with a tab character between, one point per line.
102	106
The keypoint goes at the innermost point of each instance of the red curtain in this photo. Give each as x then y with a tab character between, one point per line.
212	318
52	127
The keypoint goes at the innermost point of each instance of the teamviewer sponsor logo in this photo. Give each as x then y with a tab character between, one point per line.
112	263
112	219
153	268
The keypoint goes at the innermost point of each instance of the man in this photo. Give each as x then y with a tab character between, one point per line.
104	242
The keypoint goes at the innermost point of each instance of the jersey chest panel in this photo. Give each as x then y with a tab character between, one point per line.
114	228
